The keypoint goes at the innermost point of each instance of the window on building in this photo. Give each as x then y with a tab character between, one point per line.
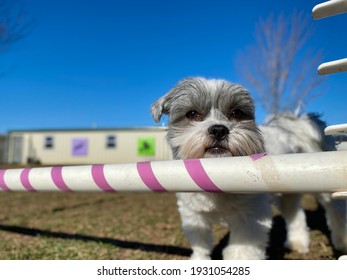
49	142
111	141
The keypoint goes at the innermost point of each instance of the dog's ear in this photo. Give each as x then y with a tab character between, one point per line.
163	105
159	108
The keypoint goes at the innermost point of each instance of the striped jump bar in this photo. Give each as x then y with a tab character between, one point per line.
315	172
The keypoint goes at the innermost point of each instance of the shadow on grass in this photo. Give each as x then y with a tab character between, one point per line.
166	249
171	250
275	251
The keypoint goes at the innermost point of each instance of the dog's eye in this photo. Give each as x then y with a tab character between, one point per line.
194	116
237	114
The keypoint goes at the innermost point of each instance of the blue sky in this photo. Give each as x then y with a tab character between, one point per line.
101	63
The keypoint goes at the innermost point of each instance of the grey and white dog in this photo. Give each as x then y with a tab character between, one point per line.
291	133
215	118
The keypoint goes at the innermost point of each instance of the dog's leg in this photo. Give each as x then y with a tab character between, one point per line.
199	235
198	231
336	211
298	238
249	232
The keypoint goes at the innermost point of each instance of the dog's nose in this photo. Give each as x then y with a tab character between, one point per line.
218	131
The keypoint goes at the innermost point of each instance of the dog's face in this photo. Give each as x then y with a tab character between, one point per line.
209	118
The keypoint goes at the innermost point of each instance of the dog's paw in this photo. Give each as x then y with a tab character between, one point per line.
300	244
196	256
200	253
298	239
243	252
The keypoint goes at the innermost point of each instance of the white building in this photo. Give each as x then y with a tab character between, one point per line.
87	146
91	146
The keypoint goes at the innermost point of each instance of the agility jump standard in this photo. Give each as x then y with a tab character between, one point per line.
316	172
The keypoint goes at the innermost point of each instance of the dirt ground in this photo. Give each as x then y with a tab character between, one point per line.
122	226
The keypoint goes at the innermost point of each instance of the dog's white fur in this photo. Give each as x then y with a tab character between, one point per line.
215	118
291	133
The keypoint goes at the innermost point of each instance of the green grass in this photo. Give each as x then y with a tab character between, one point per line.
90	226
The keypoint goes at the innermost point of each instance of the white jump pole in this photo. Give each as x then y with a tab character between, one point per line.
329	8
336	129
333	67
316	172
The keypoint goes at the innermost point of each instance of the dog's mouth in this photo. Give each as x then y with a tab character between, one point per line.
216	151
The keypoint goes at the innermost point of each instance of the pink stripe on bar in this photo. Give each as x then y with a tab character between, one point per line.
3	185
199	175
257	156
58	180
24	178
146	173
99	178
